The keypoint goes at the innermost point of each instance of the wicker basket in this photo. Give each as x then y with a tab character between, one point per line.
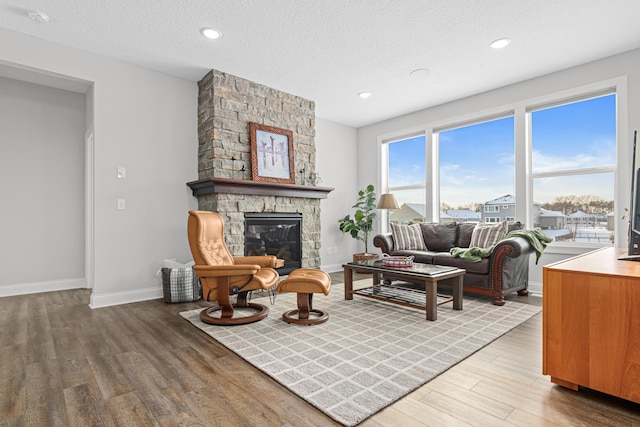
397	261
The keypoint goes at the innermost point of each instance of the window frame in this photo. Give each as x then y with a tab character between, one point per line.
524	207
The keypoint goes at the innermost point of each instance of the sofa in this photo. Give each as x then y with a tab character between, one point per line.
504	271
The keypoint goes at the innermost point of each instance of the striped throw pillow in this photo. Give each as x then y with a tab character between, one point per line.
407	237
486	235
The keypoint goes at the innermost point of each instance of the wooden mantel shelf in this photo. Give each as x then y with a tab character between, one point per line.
255	188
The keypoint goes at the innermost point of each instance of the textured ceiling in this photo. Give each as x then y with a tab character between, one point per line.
330	50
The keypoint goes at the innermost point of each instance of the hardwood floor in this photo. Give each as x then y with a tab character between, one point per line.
63	364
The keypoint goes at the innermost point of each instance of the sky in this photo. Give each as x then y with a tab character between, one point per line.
477	161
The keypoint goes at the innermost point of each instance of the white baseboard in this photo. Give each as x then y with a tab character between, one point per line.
117	298
331	268
535	288
37	287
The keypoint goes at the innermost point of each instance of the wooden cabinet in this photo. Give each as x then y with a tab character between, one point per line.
591	323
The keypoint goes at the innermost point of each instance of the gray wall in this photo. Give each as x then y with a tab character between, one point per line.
41	185
147	122
336	156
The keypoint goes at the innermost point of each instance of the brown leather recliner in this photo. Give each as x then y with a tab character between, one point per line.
222	274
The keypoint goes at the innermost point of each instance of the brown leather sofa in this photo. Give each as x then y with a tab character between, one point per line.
505	271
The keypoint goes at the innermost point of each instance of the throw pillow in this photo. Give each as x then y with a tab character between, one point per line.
486	235
465	231
407	237
514	226
439	237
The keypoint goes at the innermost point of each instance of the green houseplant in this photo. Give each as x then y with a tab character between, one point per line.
361	224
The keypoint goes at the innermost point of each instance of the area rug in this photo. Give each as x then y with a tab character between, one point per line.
369	353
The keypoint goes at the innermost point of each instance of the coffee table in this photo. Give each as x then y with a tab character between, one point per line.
407	294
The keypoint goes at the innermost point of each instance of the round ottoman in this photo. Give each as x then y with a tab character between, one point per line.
305	282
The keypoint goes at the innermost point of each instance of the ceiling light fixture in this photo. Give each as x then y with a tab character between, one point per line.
500	43
420	72
210	33
38	16
364	95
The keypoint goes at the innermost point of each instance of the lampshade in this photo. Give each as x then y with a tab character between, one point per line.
388	201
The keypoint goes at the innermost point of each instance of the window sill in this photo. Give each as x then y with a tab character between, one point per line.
573	248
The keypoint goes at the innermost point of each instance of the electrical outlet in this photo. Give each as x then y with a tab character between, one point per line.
329	250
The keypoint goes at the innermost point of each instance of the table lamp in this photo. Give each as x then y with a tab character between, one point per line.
388	201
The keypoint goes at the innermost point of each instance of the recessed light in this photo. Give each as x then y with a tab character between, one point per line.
38	16
500	43
364	95
420	72
210	33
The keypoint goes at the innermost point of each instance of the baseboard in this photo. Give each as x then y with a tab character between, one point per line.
37	287
117	298
331	268
535	288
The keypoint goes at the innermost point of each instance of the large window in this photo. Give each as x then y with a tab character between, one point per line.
551	165
573	165
407	175
476	165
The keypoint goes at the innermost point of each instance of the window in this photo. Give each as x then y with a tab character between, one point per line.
407	175
558	154
476	164
573	165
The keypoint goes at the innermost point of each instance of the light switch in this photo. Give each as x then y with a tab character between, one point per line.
121	205
121	172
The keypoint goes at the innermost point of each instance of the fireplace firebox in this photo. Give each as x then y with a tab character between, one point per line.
275	233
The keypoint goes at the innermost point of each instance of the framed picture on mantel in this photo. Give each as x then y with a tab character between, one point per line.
271	154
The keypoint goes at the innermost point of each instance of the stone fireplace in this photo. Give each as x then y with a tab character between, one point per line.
226	106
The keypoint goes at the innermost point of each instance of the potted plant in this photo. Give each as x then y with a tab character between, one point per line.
361	224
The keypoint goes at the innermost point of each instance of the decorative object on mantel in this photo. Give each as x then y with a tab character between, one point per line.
361	224
314	178
242	170
271	154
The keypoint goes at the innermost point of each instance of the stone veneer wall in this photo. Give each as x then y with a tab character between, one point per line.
226	106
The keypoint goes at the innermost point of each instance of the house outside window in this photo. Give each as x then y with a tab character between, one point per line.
506	205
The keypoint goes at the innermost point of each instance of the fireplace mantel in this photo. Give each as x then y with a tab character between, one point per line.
255	188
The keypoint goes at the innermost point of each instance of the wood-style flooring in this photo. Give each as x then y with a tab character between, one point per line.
64	364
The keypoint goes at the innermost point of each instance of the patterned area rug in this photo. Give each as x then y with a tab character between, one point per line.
369	353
